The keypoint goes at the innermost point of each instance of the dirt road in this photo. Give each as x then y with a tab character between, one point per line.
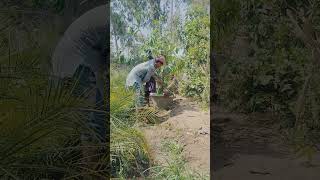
250	148
191	127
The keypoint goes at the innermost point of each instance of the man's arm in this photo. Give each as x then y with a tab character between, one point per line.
158	79
147	77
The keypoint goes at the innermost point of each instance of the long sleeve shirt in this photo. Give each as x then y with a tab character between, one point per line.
141	73
84	42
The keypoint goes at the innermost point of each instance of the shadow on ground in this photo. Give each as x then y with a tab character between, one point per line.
179	107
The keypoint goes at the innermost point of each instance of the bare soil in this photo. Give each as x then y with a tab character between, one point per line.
250	147
244	146
190	126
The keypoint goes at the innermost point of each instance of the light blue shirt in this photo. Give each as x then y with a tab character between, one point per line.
141	73
84	42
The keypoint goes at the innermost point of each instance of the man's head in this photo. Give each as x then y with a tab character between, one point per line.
160	61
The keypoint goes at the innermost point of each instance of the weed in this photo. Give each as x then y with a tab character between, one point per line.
175	166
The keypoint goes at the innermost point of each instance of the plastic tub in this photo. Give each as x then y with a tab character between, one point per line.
161	101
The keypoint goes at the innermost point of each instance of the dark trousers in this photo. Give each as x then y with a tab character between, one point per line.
96	116
150	87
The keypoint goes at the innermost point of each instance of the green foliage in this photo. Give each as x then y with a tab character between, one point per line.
159	44
266	67
40	124
129	151
264	84
127	20
121	100
302	141
225	15
196	67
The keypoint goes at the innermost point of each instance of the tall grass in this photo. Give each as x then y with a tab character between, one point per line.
40	124
129	150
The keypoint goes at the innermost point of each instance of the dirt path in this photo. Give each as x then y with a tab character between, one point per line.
249	147
191	127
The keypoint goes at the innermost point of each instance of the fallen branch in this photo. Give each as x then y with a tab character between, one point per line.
261	173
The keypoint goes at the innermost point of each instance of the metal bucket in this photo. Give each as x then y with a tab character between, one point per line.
161	101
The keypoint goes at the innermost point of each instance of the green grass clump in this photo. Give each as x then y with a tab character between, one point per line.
175	167
129	150
40	125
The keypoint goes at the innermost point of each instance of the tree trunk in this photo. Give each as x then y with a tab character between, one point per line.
116	41
171	19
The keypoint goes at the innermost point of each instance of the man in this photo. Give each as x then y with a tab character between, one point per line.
151	85
141	74
81	57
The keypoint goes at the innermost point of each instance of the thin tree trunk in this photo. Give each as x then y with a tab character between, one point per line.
116	41
171	19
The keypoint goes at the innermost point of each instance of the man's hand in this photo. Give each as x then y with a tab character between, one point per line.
166	92
158	80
